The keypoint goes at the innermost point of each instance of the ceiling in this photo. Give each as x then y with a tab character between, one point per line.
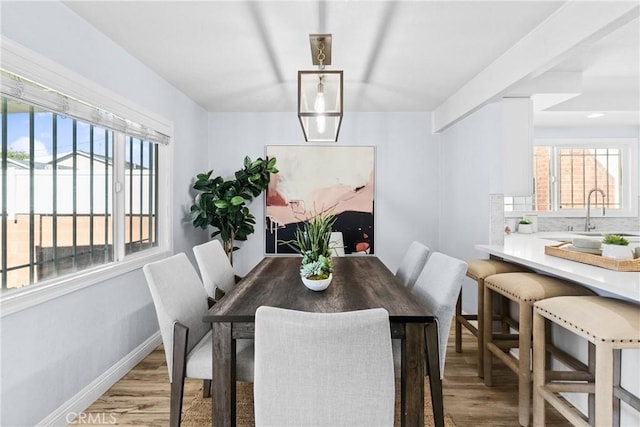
401	56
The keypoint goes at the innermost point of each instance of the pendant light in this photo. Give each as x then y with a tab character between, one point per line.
320	94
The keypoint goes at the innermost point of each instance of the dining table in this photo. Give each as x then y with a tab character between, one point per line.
359	282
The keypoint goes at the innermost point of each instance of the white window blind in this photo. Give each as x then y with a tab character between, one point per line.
23	89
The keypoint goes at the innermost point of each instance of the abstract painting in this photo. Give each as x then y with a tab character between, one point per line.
318	179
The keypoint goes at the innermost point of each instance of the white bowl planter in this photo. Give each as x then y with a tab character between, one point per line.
317	285
617	251
525	228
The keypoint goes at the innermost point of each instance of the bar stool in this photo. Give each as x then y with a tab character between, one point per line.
606	323
478	270
524	289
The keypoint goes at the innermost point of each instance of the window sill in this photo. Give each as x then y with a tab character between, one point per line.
14	301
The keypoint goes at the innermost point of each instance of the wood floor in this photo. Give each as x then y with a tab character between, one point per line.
141	398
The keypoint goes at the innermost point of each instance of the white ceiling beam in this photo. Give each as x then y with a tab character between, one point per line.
574	24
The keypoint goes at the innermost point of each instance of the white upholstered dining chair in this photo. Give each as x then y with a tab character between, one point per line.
215	269
323	369
336	243
438	287
181	302
412	263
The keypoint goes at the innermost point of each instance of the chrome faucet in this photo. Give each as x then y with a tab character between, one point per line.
587	222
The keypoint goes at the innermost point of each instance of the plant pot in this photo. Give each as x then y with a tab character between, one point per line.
317	285
617	252
525	228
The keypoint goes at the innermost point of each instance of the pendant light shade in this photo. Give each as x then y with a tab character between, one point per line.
320	94
320	104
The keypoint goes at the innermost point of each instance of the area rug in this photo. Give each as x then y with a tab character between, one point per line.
198	414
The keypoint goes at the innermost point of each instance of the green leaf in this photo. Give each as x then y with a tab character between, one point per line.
221	204
237	200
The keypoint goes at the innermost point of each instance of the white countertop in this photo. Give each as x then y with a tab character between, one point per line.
528	250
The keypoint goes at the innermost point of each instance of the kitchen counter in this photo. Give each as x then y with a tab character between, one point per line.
528	250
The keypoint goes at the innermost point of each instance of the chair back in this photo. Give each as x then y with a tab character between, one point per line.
215	268
438	287
331	369
412	263
178	296
336	243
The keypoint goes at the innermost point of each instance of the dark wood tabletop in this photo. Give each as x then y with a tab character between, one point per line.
359	282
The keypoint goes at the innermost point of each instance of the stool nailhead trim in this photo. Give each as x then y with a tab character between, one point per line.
555	316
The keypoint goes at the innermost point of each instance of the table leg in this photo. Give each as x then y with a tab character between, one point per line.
412	378
433	366
224	378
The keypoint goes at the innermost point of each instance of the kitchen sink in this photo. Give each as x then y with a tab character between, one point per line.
598	233
631	237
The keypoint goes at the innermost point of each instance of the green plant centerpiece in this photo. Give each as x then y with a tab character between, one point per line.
616	247
222	203
312	241
614	239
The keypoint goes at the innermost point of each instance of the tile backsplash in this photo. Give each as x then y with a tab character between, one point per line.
546	223
577	224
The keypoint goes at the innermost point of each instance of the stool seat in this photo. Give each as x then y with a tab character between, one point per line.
584	316
531	287
482	268
609	325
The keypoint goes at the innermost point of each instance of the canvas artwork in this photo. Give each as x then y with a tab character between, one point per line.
315	179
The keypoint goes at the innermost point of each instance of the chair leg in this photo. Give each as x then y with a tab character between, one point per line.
524	364
433	365
458	324
206	388
178	372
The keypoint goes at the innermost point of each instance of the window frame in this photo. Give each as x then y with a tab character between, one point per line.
629	153
33	66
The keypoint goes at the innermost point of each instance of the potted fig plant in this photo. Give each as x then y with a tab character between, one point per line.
614	246
222	203
312	241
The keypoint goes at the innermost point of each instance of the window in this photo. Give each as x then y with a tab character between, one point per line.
57	202
84	189
565	171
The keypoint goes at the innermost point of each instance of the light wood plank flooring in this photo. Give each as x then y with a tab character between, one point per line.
142	396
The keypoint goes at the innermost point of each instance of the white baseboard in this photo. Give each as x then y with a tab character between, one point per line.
94	390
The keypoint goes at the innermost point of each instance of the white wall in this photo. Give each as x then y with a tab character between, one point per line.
470	170
52	351
406	201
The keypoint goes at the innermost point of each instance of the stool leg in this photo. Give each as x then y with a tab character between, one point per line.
504	314
481	324
617	360
591	399
604	384
524	364
539	362
458	324
487	332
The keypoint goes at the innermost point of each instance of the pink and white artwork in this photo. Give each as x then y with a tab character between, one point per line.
315	179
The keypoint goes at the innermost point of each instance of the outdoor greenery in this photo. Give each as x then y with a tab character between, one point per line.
312	241
614	239
222	203
18	155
